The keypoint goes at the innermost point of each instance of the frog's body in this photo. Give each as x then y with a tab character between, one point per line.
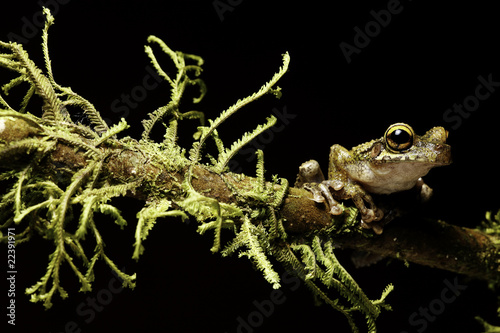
396	162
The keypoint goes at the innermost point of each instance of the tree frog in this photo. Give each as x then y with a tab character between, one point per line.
396	162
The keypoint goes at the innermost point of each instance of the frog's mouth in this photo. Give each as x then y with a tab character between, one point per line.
436	154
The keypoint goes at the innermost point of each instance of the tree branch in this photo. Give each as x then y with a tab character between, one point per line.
429	242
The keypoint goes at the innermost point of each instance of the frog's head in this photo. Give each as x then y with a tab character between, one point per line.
400	144
398	160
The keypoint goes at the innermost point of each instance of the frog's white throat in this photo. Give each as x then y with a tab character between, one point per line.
389	177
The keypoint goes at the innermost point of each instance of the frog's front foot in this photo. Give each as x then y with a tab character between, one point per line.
322	194
368	215
311	178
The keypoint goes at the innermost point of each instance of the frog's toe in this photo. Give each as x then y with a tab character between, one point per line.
337	185
336	209
316	195
371	215
375	226
379	214
367	215
321	194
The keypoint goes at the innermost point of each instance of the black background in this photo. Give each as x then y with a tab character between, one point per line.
428	57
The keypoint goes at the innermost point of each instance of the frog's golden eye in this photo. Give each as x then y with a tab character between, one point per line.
399	137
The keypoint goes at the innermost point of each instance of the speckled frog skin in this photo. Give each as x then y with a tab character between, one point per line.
396	162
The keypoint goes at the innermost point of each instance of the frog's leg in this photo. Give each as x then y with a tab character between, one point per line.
369	216
311	178
360	197
362	200
347	189
321	193
309	172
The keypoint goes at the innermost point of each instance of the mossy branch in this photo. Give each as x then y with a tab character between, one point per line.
50	165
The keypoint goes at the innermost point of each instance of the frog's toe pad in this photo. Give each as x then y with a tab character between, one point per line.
370	215
336	210
317	195
379	214
321	194
367	215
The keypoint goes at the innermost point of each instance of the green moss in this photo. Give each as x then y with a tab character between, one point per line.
68	168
